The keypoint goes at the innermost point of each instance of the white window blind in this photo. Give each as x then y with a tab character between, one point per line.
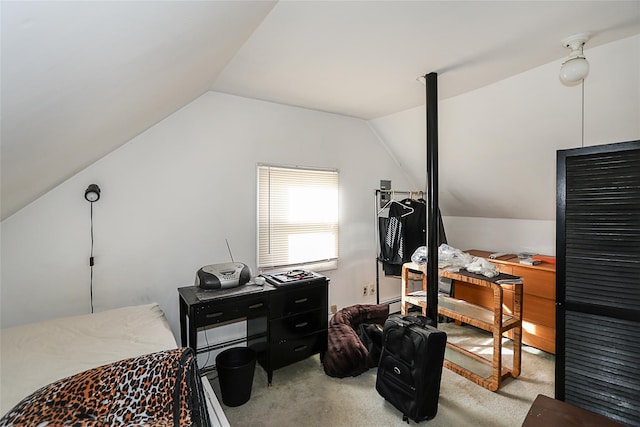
297	217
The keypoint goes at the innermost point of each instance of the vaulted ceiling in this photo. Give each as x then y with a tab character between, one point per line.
80	79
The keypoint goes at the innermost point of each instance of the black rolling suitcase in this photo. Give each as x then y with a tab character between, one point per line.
410	366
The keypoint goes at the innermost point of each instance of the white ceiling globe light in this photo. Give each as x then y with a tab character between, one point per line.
575	68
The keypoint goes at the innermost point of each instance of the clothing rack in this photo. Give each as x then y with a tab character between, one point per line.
381	203
380	193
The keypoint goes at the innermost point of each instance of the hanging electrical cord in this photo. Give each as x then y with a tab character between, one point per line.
91	261
582	116
91	194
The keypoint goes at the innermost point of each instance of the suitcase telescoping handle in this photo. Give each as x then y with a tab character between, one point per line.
416	320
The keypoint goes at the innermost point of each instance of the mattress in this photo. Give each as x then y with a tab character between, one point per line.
37	354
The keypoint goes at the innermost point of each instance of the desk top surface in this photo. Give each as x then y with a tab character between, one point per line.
194	294
548	412
470	277
466	276
511	259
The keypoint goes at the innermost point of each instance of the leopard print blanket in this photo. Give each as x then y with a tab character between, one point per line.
159	389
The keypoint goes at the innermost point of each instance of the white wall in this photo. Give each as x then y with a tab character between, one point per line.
497	146
501	234
172	195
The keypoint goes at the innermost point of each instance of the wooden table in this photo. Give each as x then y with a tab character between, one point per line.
548	412
538	298
495	319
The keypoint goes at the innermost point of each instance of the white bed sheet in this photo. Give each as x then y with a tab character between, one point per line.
37	354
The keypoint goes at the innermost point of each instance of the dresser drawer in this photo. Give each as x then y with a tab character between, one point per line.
213	313
482	296
538	310
537	282
539	336
298	325
298	300
473	294
294	350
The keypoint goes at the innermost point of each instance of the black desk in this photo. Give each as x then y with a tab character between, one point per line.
284	325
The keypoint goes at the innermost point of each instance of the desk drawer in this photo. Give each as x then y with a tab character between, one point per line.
290	351
253	306
298	300
298	325
213	313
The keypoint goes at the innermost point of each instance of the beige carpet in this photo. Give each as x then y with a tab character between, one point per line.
302	395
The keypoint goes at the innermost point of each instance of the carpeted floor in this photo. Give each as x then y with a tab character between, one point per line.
302	395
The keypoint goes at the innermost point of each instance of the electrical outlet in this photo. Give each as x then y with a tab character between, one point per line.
365	291
334	309
372	289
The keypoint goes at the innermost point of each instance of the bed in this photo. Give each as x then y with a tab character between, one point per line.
45	353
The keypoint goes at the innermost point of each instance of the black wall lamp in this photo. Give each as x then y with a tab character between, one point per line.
92	193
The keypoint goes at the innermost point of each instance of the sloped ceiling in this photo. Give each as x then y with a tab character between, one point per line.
79	79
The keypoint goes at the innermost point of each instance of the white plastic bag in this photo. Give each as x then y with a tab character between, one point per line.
482	266
451	258
420	255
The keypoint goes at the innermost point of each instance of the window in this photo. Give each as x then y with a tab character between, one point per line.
297	217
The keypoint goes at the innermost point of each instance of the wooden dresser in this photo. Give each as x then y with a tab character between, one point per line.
538	301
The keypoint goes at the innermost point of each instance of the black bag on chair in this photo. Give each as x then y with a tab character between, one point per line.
410	366
371	337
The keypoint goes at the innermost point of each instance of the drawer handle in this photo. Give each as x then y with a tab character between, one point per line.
300	348
302	324
254	306
212	315
301	300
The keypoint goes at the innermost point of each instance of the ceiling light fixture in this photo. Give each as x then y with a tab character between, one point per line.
575	68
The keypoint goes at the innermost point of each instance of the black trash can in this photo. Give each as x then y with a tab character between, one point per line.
235	372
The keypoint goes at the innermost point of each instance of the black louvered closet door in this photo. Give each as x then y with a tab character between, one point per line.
598	280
